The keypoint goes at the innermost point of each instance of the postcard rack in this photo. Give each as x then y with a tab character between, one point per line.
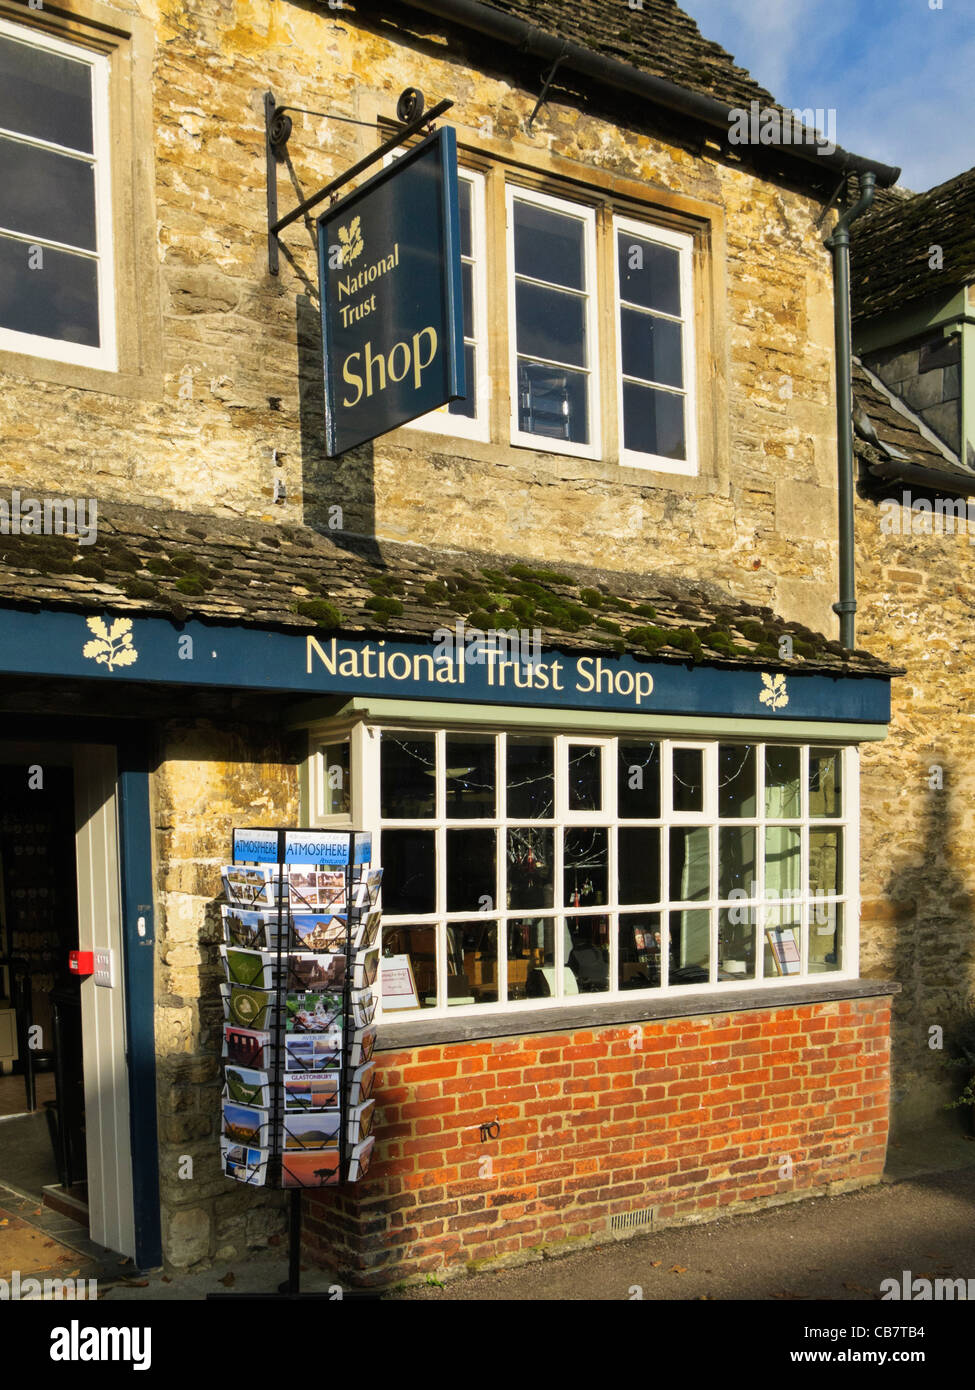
300	960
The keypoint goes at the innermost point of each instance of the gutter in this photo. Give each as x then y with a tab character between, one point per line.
839	244
623	77
894	472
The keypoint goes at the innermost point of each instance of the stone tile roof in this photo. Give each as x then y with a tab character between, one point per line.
891	247
183	565
893	431
659	38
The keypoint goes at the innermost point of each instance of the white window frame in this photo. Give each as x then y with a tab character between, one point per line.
441	421
587	215
683	243
365	752
104	357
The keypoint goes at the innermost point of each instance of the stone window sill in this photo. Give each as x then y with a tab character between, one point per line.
402	1036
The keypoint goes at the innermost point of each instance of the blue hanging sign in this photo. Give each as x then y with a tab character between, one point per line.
392	307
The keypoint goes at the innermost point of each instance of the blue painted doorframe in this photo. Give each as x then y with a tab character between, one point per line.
138	936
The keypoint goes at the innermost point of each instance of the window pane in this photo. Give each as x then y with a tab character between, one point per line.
467	287
782	783
826	861
653	422
47	195
651	348
825	936
420	945
649	273
585	778
639	950
690	947
781	862
60	301
638	780
690	863
407	785
736	861
335	774
471	870
736	943
736	781
467	405
688	770
587	952
531	867
409	883
551	324
783	954
465	197
584	867
45	95
470	777
472	962
553	402
639	865
825	779
531	958
549	246
531	778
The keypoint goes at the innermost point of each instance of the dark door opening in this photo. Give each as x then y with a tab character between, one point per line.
44	1146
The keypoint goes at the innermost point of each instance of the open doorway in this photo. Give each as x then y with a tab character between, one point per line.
42	1139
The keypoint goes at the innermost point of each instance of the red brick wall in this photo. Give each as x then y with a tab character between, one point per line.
694	1117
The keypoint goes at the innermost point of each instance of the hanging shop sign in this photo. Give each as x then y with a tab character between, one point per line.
155	650
392	311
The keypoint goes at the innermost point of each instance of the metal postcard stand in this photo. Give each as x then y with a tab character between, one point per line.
355	915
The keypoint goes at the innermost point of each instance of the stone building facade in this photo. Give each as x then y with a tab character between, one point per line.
203	445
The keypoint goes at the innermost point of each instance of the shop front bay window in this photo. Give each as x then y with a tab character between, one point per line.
524	868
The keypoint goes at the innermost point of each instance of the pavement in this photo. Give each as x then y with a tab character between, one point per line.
920	1218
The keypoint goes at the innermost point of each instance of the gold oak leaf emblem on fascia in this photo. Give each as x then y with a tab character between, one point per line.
111	646
774	692
351	239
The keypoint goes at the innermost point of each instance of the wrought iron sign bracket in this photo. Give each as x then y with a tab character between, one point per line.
278	126
546	83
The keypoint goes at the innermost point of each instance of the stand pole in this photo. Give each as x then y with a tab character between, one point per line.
294	1243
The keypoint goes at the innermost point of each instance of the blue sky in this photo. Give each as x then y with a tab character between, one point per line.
899	74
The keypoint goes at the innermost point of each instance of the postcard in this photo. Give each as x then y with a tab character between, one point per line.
257	930
363	1043
316	972
244	1164
366	965
361	1158
312	1090
250	888
313	1012
247	1086
244	967
250	1008
245	1125
363	1007
243	1047
367	931
316	1130
361	1083
319	1168
312	889
360	1121
313	1051
318	932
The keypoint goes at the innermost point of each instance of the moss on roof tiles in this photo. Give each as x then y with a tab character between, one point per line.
304	579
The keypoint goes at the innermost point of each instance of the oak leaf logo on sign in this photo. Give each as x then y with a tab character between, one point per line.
112	646
774	693
351	239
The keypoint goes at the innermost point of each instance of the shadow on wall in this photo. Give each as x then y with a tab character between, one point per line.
932	913
339	494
